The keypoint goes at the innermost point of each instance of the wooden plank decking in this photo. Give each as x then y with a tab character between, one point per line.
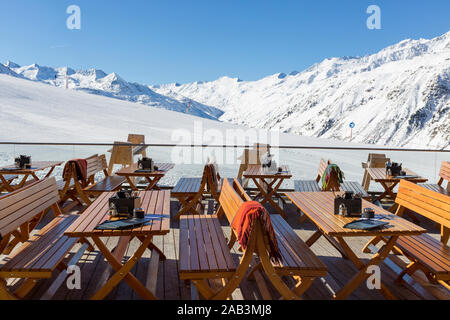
94	270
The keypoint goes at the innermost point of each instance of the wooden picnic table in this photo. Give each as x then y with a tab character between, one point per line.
319	208
152	177
156	203
389	182
36	166
268	184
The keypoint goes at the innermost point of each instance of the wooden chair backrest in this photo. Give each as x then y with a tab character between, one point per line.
229	200
444	174
122	153
322	167
95	164
24	204
240	191
377	160
430	204
334	184
136	138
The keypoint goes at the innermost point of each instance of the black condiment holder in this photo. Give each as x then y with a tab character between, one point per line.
352	203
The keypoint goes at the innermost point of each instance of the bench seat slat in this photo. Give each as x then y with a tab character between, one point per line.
108	184
306	186
47	245
433	254
202	249
187	185
304	258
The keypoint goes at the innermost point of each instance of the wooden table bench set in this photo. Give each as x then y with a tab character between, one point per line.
45	254
205	254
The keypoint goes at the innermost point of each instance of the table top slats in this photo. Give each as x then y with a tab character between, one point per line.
256	171
379	175
153	202
35	166
130	171
319	207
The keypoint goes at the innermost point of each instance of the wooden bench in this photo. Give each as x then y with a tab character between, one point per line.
313	185
425	252
71	187
191	191
204	253
44	252
123	152
375	160
9	178
444	174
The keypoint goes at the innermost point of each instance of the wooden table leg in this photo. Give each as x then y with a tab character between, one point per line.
152	247
362	275
267	196
152	183
387	191
49	172
123	271
5	184
131	183
187	205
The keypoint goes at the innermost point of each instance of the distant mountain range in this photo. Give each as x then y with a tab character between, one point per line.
399	96
111	85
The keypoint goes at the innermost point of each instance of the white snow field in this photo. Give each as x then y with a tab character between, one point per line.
35	112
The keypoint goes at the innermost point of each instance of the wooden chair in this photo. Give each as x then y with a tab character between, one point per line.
444	174
123	152
8	178
334	185
375	160
204	253
425	252
250	157
79	192
44	252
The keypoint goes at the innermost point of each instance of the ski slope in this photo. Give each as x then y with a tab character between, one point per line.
35	112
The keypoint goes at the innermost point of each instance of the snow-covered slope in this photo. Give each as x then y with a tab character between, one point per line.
34	112
111	85
399	96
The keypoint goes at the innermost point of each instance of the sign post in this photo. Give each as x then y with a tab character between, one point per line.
352	125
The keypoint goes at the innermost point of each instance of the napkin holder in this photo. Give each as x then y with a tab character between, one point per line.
23	162
394	169
352	203
124	203
146	164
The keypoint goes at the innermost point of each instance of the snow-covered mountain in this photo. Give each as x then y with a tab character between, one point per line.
111	85
399	96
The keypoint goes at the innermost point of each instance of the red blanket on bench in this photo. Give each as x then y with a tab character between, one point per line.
251	211
80	166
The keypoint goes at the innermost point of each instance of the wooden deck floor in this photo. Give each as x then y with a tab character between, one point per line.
94	271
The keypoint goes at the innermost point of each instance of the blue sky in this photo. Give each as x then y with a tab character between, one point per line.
183	41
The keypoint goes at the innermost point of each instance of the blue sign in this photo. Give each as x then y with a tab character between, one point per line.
352	125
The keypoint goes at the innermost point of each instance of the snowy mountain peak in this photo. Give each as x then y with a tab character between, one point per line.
11	64
398	96
6	70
